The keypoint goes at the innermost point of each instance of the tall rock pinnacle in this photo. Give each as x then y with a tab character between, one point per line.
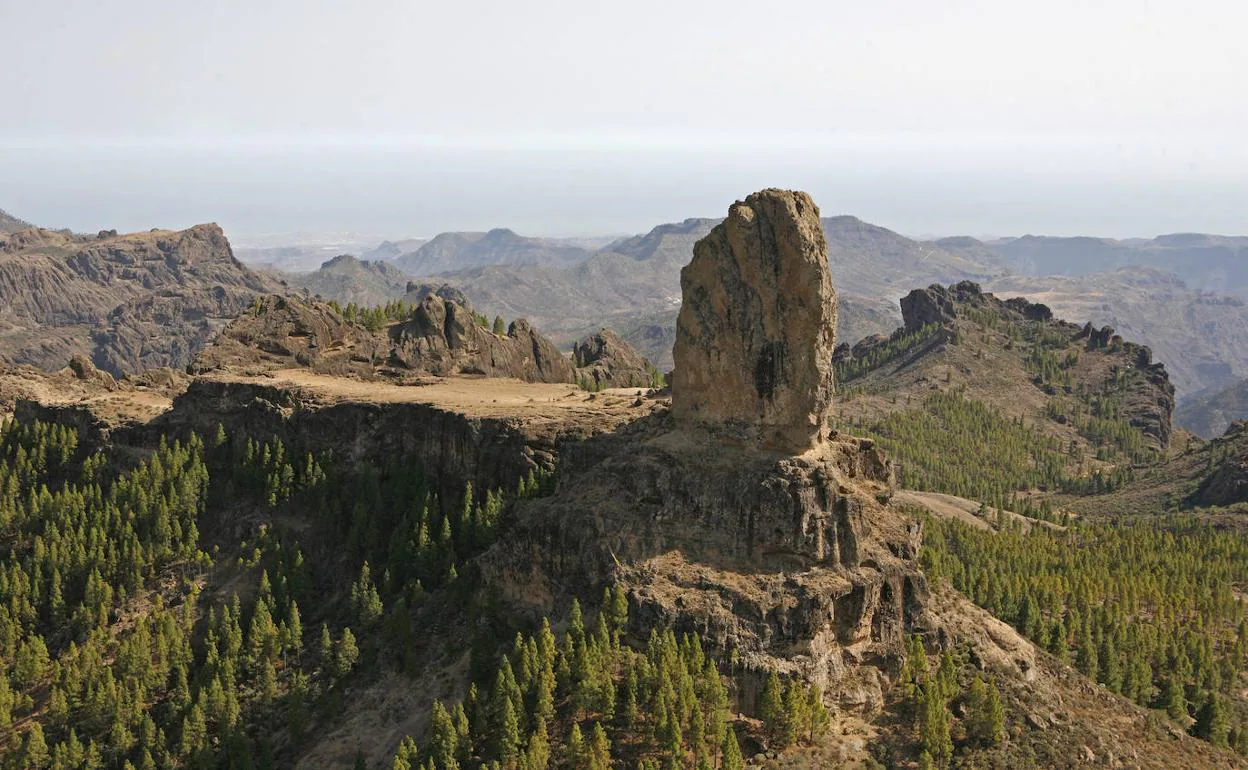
757	325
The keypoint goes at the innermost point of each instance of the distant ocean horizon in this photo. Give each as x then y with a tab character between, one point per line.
398	192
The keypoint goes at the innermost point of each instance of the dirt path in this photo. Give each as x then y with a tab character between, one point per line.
962	509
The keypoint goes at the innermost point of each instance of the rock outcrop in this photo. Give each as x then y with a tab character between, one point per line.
443	338
84	370
757	325
736	514
440	338
604	360
416	293
1094	362
1227	482
939	305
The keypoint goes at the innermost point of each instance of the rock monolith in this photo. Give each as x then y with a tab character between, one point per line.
756	330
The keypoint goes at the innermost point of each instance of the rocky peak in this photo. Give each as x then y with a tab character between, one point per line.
939	305
416	293
604	360
756	329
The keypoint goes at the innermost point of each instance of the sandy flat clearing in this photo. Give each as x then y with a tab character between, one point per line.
474	396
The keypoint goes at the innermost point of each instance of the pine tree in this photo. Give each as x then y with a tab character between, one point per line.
985	719
796	719
934	729
599	750
1212	721
443	739
35	749
1175	701
947	675
537	754
507	733
817	712
365	601
500	328
771	710
326	648
715	700
731	752
631	713
575	748
346	654
914	670
294	629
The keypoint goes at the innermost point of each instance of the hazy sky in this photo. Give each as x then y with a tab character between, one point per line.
1110	117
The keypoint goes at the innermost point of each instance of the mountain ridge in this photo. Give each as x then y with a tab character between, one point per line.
501	246
128	302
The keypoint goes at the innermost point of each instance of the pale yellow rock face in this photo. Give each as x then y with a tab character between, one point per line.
757	325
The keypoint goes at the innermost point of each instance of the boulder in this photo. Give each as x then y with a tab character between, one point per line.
84	370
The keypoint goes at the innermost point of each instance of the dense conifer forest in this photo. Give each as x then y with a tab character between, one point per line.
210	602
131	639
1152	611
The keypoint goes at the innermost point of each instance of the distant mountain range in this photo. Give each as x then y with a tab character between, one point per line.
1208	415
390	250
458	251
1180	294
1183	294
1215	262
633	284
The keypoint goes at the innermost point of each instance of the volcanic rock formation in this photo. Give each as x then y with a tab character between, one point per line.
735	514
757	325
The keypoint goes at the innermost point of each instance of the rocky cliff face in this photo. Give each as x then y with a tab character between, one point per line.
440	338
757	324
781	550
492	453
128	302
